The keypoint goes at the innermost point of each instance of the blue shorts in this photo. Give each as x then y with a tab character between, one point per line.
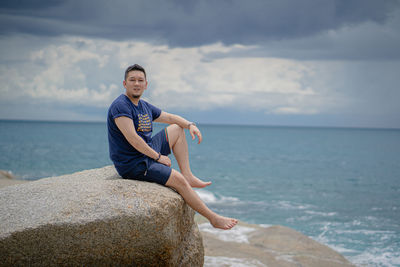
150	170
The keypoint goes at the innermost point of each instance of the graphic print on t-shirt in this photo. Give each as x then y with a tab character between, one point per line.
144	123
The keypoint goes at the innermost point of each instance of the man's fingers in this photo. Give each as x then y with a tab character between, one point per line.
195	133
166	161
200	137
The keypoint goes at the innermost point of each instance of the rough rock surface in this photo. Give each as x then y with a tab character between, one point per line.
95	218
274	246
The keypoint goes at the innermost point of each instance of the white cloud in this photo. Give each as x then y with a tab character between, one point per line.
180	78
88	72
59	73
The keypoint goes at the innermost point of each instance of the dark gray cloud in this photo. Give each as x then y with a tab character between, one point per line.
190	23
367	41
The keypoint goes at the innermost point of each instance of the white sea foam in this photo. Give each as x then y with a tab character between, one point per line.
325	240
365	232
387	255
228	262
298	219
237	234
320	213
210	198
377	257
292	206
206	196
342	250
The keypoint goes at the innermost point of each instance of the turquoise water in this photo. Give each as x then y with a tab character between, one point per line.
339	186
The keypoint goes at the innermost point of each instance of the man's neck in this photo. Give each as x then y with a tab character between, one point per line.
134	100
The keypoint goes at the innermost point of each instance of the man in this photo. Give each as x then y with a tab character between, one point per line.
137	155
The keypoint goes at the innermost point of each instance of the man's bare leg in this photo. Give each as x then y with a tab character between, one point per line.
179	146
180	184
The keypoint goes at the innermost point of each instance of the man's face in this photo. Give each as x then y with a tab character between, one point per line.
135	84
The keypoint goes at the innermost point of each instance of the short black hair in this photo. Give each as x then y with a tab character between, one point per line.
134	67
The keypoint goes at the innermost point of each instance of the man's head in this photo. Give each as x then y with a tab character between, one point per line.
134	67
135	82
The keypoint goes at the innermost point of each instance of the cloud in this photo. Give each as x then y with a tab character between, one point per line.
246	83
270	59
56	73
367	41
190	23
87	72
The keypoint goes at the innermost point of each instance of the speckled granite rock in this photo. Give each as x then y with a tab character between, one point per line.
95	218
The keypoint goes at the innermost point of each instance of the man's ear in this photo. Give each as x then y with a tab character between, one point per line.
124	83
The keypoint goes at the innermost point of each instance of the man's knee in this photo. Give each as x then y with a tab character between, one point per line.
176	128
175	131
177	181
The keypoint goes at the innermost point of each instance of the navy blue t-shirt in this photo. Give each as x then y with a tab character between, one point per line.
122	153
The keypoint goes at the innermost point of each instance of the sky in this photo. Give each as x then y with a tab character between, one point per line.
330	63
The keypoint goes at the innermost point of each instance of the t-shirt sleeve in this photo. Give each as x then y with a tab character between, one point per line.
120	109
155	111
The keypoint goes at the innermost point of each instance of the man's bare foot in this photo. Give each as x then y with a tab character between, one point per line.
196	182
223	223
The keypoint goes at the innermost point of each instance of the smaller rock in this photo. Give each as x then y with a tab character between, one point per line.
252	245
7	179
6	174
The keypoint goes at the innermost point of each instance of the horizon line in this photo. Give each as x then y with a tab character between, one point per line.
214	124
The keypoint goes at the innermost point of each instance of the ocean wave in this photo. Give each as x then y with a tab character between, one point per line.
215	198
211	198
298	219
366	232
326	238
293	205
356	222
353	243
238	234
339	248
389	257
320	213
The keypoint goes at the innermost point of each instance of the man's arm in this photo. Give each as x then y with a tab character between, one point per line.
185	124
125	125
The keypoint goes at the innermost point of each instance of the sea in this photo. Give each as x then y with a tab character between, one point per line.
339	186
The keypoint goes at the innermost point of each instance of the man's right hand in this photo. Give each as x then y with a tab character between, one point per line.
164	160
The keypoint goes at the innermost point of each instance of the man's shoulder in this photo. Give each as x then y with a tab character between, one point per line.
147	104
120	100
120	106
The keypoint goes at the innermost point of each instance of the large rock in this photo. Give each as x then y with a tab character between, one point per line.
95	218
